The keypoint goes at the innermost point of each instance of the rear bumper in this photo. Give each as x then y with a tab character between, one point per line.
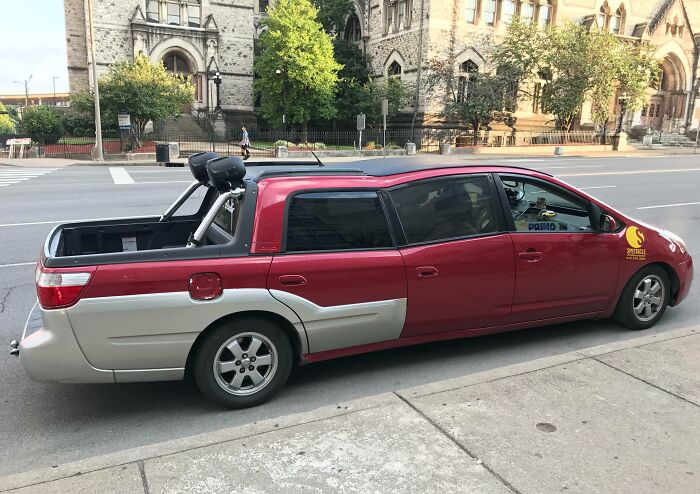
49	351
685	279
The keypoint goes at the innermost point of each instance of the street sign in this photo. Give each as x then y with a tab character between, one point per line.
124	120
385	107
361	121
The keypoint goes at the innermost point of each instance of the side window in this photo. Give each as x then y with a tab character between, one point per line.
446	209
320	221
537	207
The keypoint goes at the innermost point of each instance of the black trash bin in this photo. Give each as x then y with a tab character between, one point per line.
162	153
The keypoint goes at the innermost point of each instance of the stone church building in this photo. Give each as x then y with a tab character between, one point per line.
201	37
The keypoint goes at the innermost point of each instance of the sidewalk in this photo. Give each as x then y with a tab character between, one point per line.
493	154
619	418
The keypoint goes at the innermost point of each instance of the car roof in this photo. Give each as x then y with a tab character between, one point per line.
381	167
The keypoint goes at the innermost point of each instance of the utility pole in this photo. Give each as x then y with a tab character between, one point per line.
54	89
99	156
26	90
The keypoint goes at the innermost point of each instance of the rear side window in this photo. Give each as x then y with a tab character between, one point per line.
337	221
446	209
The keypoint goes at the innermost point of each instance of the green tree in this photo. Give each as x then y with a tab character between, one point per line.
478	101
42	123
144	89
297	73
7	124
332	14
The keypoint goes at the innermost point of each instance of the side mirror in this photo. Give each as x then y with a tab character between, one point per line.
608	224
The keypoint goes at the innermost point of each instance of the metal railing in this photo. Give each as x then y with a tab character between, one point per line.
264	142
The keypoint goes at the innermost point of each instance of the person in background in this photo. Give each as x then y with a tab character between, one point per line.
245	144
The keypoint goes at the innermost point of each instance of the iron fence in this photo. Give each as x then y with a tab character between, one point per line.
264	142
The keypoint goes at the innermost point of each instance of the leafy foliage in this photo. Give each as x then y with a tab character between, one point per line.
42	123
332	14
146	90
584	65
7	124
487	98
296	45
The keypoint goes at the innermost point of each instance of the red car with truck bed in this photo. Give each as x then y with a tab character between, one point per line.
292	263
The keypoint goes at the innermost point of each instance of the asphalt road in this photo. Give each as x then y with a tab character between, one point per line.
46	424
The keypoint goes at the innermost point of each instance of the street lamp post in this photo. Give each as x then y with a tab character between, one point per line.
26	90
54	90
217	81
283	73
623	110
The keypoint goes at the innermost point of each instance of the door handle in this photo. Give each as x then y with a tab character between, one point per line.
530	255
292	280
426	271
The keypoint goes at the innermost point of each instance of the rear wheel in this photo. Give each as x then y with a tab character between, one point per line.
644	299
243	363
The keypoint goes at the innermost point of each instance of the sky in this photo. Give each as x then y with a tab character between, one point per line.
32	36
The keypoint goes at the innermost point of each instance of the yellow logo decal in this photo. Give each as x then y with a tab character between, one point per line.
635	239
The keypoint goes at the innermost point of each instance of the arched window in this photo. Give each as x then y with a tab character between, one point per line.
470	14
545	17
527	11
394	69
176	63
468	72
353	30
507	11
616	21
490	12
604	17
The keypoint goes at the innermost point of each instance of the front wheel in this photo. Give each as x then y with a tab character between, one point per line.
243	363
644	299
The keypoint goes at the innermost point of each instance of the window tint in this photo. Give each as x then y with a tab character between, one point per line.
445	209
540	208
337	221
227	217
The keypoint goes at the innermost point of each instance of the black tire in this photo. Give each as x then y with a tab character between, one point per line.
243	329
625	312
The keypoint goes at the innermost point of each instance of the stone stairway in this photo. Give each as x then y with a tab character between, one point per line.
184	126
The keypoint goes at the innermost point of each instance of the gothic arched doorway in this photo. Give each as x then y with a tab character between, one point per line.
180	64
668	100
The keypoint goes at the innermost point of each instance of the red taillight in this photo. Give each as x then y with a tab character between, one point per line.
57	288
205	286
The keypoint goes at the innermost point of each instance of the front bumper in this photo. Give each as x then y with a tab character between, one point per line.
685	280
49	351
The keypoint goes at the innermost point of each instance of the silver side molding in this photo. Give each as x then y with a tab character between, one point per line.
341	326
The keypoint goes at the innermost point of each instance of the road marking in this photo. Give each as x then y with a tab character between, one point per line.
568	167
166	182
10	176
120	176
636	172
598	187
671	205
17	264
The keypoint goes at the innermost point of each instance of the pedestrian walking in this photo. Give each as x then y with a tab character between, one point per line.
245	144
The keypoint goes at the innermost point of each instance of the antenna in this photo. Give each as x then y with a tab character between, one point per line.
320	163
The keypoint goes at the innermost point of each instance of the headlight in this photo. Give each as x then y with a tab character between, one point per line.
676	240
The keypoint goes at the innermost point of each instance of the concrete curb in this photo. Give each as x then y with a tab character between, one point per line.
174	446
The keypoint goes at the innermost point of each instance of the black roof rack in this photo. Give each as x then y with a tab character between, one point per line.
381	167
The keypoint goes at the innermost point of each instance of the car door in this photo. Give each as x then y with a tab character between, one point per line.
340	270
460	266
564	267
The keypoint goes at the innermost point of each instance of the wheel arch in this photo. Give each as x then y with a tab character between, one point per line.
670	272
285	324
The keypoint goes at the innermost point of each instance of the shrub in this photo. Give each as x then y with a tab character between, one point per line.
7	125
370	145
42	123
282	142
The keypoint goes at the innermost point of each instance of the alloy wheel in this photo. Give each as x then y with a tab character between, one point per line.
246	363
648	298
